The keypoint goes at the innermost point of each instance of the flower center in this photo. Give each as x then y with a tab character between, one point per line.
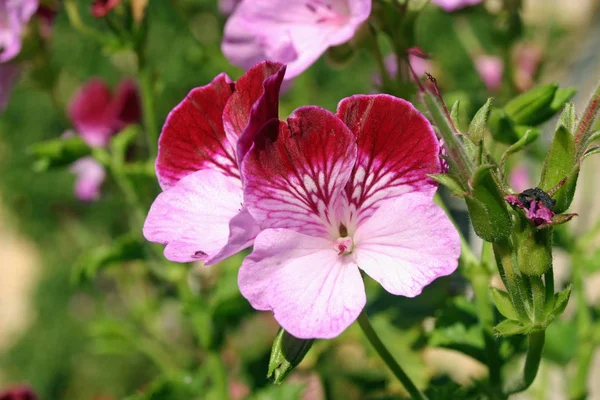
344	245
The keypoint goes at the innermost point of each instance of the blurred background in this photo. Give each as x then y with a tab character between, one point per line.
77	323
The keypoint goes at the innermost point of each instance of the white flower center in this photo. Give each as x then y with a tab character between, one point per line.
344	245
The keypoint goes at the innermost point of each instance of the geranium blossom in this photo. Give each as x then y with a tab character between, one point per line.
336	194
97	115
296	32
14	15
453	5
200	214
18	392
102	7
490	69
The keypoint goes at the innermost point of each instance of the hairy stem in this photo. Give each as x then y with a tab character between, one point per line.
532	364
386	356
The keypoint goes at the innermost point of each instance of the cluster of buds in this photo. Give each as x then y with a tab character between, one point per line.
519	225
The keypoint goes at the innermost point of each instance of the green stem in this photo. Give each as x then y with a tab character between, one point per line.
505	261
148	109
538	292
218	375
532	364
386	356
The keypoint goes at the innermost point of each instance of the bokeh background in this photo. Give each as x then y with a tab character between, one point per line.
75	326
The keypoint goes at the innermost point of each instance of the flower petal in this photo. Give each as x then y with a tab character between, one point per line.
312	292
92	112
295	32
90	177
254	102
406	244
397	148
193	218
193	137
453	5
127	105
295	172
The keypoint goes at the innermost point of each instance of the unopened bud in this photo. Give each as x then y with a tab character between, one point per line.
287	352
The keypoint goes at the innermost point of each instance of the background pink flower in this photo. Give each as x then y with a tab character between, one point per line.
453	5
200	214
336	194
295	32
9	73
102	7
18	392
14	15
90	175
490	69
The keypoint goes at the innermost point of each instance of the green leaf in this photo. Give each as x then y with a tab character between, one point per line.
124	248
487	207
504	304
121	142
568	119
561	299
508	327
478	125
502	127
529	108
287	352
450	182
560	163
58	152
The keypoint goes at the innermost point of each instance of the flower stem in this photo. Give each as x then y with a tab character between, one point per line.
532	364
148	112
386	356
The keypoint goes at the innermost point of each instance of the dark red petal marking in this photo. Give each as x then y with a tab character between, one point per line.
193	137
295	172
254	102
397	148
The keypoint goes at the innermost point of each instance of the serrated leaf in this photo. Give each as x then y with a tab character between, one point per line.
509	327
478	125
504	304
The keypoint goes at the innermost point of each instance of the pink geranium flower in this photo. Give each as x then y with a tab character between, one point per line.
102	7
453	5
18	392
296	32
200	214
97	115
490	69
14	15
337	194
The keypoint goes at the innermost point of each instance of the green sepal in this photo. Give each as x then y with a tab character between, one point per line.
528	137
509	327
560	163
58	152
287	352
478	125
595	149
450	182
561	299
534	247
526	108
455	113
504	304
568	119
487	208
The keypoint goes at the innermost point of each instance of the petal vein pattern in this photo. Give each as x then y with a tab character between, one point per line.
397	148
296	171
193	137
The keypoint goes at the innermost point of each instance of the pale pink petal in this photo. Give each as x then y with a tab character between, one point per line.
296	32
14	16
295	172
490	69
397	148
254	102
453	5
90	175
92	112
193	217
406	244
312	292
193	137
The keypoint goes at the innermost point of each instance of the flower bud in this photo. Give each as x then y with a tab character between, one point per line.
538	104
534	248
287	352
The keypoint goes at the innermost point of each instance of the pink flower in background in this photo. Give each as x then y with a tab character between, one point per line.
97	115
18	392
295	32
453	5
490	69
102	7
519	178
226	7
337	194
14	16
419	65
527	59
9	73
200	213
